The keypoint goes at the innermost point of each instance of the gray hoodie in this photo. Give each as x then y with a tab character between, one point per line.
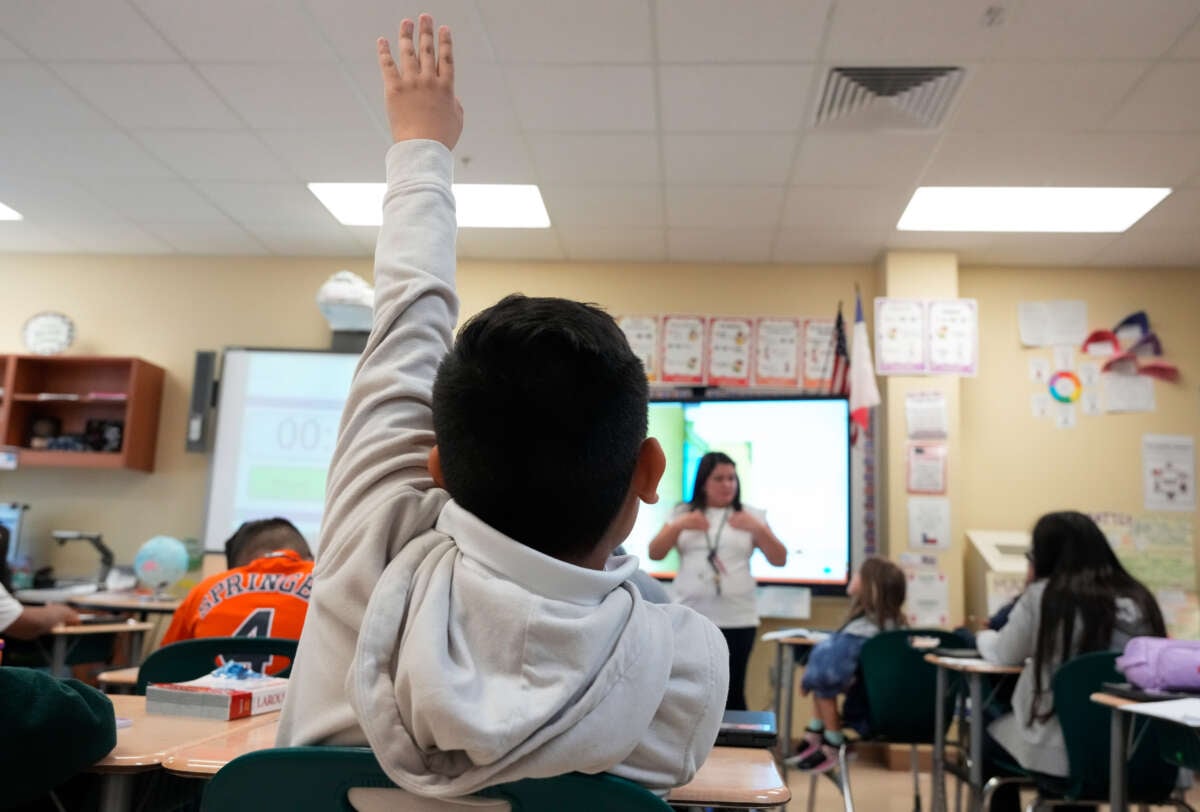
464	658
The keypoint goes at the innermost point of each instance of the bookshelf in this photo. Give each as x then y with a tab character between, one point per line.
110	403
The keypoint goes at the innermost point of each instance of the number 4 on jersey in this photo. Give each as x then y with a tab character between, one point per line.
256	624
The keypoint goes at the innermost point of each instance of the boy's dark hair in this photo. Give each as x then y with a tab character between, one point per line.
539	411
256	538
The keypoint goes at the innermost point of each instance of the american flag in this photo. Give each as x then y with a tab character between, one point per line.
839	380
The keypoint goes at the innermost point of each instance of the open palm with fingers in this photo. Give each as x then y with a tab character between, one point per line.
419	91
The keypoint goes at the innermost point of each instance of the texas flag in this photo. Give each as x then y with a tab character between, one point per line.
864	393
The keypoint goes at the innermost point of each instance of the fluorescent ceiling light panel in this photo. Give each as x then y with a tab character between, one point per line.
478	205
9	214
1027	208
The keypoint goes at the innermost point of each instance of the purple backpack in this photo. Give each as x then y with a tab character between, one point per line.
1160	664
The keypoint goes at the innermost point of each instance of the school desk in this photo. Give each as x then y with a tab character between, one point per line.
65	638
119	680
731	777
785	687
974	670
149	739
132	602
1118	759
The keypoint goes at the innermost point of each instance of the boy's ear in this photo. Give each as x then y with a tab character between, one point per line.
435	467
651	464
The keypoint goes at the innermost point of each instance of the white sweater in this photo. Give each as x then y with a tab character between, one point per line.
464	658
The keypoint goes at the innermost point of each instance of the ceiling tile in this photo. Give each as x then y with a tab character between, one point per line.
1150	248
366	236
266	30
844	208
22	236
828	246
10	51
215	155
1188	47
509	243
34	99
1095	29
723	206
319	155
300	239
490	156
765	31
268	203
54	202
593	244
1163	102
924	32
101	154
353	27
1036	159
149	96
96	30
719	244
557	31
734	98
1063	250
161	201
1043	96
1180	209
206	238
283	97
604	206
596	98
863	159
937	240
713	158
595	158
116	238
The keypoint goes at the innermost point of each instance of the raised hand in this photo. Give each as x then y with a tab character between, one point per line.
419	92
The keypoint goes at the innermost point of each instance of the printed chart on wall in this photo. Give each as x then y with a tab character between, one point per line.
1157	550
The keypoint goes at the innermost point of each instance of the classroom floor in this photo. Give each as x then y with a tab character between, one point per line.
877	789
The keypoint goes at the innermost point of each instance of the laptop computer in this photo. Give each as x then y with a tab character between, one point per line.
747	729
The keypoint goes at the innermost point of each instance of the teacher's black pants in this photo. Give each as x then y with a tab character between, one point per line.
740	642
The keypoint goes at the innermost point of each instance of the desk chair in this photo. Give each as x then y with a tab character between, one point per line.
1086	730
324	779
189	659
901	692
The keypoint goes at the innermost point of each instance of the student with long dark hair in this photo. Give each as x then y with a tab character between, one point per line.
1080	600
716	535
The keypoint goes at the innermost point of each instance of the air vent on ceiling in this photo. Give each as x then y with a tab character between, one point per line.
887	98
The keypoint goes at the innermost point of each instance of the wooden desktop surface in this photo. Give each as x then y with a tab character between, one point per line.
104	628
730	777
118	677
151	737
971	666
1111	700
125	602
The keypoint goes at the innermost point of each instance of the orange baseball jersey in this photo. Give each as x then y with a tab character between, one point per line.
266	598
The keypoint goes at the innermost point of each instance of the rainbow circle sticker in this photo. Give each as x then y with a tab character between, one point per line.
1065	387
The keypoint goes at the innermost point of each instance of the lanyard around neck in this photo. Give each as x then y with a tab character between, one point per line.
712	542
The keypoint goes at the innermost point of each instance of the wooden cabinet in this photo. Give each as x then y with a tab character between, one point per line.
108	403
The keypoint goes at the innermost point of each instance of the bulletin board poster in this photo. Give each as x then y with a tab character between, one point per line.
1157	550
777	352
900	337
683	345
953	336
818	354
927	468
730	351
642	334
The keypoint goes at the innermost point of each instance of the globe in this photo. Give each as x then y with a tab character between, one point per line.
161	562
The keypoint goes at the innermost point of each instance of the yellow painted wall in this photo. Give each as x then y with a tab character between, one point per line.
165	308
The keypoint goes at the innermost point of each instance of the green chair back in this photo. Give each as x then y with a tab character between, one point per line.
318	779
189	659
901	687
1086	729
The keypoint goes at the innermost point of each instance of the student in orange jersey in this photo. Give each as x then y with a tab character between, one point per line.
265	594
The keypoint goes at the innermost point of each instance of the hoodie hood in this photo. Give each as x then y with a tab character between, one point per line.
481	660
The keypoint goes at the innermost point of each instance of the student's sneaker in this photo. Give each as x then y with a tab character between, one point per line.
811	744
822	761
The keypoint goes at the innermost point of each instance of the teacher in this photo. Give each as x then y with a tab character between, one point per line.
716	535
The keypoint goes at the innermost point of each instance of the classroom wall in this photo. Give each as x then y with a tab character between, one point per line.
165	308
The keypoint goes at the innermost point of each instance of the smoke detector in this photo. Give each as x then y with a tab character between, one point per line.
907	98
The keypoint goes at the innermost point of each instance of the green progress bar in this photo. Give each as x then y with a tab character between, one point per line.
290	483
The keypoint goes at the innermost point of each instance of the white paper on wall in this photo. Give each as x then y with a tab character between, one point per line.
1169	472
928	523
1048	323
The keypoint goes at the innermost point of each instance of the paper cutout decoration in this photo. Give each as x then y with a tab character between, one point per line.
1163	370
1123	364
1132	327
1101	343
1147	345
1065	387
